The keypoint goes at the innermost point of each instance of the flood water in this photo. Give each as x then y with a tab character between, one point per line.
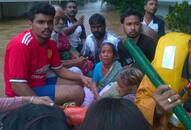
9	28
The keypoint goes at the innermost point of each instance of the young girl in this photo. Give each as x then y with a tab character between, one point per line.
126	86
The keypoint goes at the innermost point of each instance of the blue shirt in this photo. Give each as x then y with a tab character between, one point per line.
97	73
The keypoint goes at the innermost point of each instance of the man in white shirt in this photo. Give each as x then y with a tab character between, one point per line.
97	37
151	20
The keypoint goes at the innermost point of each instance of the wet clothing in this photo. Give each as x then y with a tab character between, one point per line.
28	62
145	43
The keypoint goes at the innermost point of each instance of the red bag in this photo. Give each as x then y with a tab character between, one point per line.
75	114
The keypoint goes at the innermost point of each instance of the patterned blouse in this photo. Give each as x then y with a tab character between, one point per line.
8	104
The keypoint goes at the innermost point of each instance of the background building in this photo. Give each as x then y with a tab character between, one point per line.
165	6
17	8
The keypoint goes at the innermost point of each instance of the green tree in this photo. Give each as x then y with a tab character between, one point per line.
123	5
80	2
179	19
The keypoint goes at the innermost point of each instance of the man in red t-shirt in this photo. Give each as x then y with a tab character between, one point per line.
31	53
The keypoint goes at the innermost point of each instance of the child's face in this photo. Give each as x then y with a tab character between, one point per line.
106	54
122	88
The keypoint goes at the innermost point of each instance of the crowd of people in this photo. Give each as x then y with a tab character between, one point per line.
55	62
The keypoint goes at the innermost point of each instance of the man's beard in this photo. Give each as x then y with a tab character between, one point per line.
58	29
98	34
133	35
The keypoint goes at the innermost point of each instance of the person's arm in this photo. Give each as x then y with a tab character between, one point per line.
151	50
12	103
85	49
22	89
19	61
67	74
37	100
57	66
8	104
161	30
70	30
165	99
78	62
83	34
144	99
93	88
161	25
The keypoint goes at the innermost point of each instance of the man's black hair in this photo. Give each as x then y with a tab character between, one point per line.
35	117
40	7
114	114
69	1
97	19
146	1
112	46
130	12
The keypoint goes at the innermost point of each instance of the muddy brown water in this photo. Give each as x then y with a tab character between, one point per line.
9	28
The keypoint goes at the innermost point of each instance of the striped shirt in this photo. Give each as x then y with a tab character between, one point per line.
8	104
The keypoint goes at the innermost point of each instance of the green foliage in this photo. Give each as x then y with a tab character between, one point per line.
80	2
180	18
123	5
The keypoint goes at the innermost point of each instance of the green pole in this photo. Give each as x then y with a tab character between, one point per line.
145	65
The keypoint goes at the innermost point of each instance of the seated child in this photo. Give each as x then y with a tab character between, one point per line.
126	86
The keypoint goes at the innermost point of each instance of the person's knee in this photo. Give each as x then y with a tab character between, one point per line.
78	95
69	93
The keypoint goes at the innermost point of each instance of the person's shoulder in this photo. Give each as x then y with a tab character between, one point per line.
22	39
98	65
118	64
121	46
113	38
113	35
158	19
146	38
66	19
89	38
147	41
